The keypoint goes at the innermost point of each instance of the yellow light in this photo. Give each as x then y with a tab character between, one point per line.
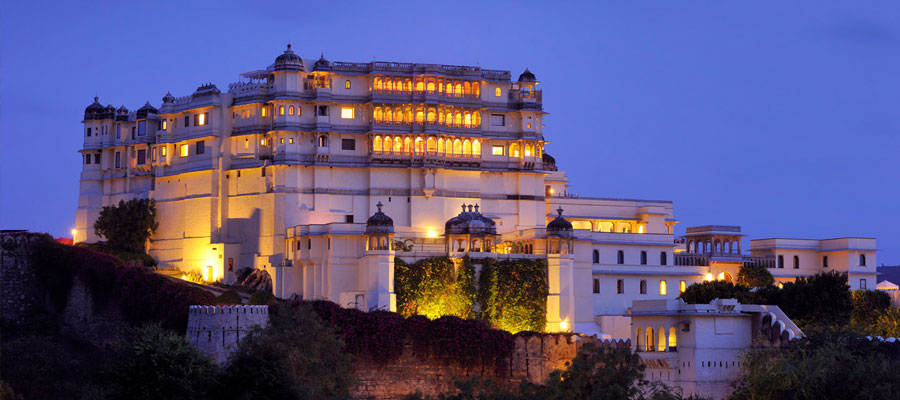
709	277
206	271
663	289
682	287
184	150
163	151
347	113
640	229
564	325
780	285
551	190
262	142
201	119
432	234
721	276
74	231
164	125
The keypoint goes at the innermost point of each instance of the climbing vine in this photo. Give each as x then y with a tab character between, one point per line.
434	287
513	294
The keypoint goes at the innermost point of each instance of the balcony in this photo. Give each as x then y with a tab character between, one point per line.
428	157
422	126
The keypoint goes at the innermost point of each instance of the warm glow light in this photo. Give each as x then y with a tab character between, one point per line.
551	190
682	287
184	150
163	151
497	150
709	277
432	234
640	229
780	285
564	325
347	113
663	290
206	270
201	119
721	276
74	231
164	125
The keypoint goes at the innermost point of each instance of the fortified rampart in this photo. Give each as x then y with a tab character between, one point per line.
19	288
216	330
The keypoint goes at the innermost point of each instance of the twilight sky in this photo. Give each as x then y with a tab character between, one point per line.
781	117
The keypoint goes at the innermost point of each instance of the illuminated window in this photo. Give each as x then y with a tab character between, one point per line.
184	150
263	112
497	150
201	119
162	151
262	142
673	339
280	110
347	112
164	125
497	92
291	110
663	290
347	84
291	140
281	141
476	148
529	125
152	154
682	287
246	143
514	150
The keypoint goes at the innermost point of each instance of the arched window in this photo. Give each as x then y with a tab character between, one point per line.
407	145
620	257
420	145
398	145
347	84
388	115
430	145
408	85
280	110
431	116
388	145
449	119
398	115
377	83
661	339
596	257
673	339
476	148
476	119
440	86
780	261
467	119
440	146
649	342
457	119
291	110
457	88
467	148
430	86
377	144
643	286
862	260
529	150
638	339
596	285
378	115
514	150
682	287
663	258
476	89
409	114
496	92
663	288
796	262
643	257
420	117
420	86
323	141
467	88
457	148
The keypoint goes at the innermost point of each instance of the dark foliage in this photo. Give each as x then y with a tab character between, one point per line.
261	298
140	294
229	296
271	363
513	294
828	364
705	292
867	305
755	275
128	225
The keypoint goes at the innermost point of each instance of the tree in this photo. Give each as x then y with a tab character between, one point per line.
705	292
150	362
819	300
261	298
128	225
867	305
755	275
270	363
823	365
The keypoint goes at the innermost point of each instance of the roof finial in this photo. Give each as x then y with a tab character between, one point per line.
470	208
476	207
289	46
559	210
464	207
379	205
96	99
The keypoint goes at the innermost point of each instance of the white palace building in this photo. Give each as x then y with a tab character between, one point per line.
310	169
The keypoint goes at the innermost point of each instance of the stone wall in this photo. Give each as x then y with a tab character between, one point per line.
19	288
216	330
533	359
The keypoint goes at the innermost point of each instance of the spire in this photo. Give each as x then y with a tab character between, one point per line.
476	207
559	211
379	205
470	208
464	207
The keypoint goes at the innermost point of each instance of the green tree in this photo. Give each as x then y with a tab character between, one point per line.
295	357
867	305
885	324
150	362
434	287
513	294
705	292
819	300
128	225
261	298
229	296
755	275
823	365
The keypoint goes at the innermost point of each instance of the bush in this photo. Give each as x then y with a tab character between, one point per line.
867	305
230	296
513	294
269	363
434	287
142	259
755	275
819	300
128	225
153	363
823	365
261	298
705	292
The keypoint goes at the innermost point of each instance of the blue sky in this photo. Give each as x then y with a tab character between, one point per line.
781	117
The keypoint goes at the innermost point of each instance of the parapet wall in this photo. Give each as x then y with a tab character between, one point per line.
216	330
19	287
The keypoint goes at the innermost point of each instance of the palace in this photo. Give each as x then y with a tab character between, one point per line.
312	169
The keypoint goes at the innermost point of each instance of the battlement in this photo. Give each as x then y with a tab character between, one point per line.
217	330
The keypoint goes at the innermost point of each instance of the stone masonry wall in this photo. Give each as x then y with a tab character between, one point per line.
533	359
216	330
19	288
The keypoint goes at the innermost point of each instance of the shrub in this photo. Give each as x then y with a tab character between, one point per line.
434	287
269	363
513	294
128	225
230	296
867	305
705	292
142	259
819	300
755	275
261	298
153	363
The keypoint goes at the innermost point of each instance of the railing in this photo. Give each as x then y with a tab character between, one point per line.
389	92
767	261
424	123
379	153
692	260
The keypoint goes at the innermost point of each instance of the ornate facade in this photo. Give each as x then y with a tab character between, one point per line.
284	170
